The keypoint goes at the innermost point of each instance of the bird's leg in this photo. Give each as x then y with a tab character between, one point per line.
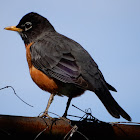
68	104
45	114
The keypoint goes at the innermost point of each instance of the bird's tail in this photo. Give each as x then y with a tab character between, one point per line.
111	105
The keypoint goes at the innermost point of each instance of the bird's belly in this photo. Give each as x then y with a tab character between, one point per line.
43	81
48	84
69	89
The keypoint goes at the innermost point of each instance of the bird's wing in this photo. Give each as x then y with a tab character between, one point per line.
64	59
55	59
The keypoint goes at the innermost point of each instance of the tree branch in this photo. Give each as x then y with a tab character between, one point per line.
35	128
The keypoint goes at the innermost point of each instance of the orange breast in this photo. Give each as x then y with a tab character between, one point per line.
42	80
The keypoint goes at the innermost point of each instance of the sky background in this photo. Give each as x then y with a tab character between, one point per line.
108	29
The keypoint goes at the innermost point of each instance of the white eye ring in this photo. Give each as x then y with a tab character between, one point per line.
28	25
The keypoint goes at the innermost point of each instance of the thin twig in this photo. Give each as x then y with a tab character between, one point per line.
16	94
71	132
115	123
83	135
41	132
87	114
75	116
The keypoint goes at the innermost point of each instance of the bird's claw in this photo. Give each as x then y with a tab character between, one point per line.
45	115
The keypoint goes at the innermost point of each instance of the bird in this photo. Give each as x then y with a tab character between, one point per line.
61	66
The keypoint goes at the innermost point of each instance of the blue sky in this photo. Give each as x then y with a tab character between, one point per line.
108	29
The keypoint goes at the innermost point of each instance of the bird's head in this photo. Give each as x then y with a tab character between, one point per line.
31	26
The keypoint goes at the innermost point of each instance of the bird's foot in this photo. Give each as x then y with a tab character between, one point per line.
45	115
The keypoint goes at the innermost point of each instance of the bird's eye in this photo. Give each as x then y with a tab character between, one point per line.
28	25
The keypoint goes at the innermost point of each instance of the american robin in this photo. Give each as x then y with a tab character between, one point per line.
61	66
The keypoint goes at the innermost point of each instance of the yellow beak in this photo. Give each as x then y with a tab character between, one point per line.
13	28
